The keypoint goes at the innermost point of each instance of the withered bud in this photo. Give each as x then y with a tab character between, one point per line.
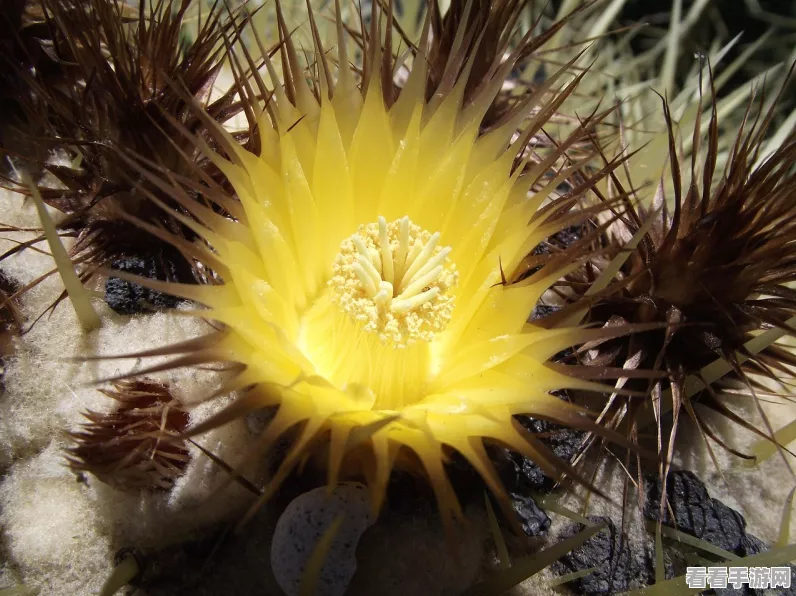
137	445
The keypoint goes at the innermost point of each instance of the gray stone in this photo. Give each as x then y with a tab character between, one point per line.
533	519
301	526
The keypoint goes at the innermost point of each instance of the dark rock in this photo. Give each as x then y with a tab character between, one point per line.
731	590
561	239
696	513
644	562
620	564
608	552
542	310
563	441
569	236
533	519
752	545
127	298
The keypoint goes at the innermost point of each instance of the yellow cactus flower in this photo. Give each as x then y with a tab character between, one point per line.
372	269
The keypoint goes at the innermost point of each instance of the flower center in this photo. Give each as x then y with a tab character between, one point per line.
390	292
396	280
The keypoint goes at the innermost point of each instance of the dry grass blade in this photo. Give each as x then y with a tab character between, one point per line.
19	591
79	297
529	566
312	572
784	526
568	577
764	449
679	587
674	534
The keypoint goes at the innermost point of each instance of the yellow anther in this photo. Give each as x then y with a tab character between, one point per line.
394	278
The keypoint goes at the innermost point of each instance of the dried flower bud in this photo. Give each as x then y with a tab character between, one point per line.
137	446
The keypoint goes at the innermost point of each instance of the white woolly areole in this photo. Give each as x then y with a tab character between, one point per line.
51	529
61	534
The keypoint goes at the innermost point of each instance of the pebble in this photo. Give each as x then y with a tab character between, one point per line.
303	523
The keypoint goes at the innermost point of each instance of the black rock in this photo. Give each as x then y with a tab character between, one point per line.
731	590
619	563
644	562
696	513
752	545
569	236
561	239
743	590
533	519
542	310
563	441
127	298
608	552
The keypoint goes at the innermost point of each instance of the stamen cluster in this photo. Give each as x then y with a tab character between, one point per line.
396	280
